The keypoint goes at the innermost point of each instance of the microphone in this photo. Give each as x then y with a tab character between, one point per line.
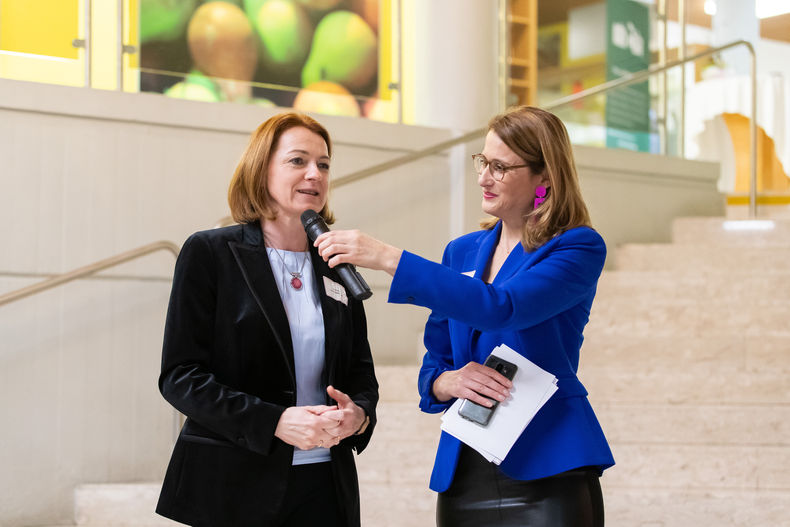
315	226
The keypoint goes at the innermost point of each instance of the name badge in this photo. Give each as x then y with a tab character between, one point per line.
335	291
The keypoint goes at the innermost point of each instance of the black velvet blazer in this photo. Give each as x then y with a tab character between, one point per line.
228	365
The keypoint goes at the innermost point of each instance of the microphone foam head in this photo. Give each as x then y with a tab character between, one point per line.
309	216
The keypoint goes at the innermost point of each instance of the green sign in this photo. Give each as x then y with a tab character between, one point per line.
628	108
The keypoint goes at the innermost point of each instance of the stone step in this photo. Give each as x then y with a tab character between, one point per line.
714	285
624	422
698	423
640	434
744	425
694	259
674	466
741	233
672	370
385	505
636	408
661	507
684	317
661	369
673	449
118	504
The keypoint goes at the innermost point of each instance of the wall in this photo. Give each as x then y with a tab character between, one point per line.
86	174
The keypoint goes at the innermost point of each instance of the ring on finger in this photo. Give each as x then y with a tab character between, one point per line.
320	442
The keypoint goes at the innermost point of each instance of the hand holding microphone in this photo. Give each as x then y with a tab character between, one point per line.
340	248
315	227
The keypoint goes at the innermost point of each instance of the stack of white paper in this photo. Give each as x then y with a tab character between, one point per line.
532	387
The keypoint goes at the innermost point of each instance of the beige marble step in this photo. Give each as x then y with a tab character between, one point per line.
118	504
683	317
639	409
672	370
696	258
397	505
722	467
698	424
733	285
720	231
662	507
389	506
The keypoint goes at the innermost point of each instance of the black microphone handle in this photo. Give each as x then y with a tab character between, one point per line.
315	226
353	281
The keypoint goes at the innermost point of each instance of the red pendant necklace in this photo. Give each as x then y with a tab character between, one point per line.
296	276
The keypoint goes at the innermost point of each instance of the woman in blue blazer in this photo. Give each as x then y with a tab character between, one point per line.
270	365
527	280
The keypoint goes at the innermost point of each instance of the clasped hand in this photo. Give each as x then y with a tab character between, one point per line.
472	382
307	427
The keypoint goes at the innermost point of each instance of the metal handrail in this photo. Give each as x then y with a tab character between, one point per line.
625	80
87	270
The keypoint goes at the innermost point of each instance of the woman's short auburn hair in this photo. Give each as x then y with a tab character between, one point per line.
248	194
541	140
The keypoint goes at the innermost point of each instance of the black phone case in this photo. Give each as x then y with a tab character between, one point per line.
478	413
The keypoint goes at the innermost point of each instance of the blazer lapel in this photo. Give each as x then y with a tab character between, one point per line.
484	251
251	257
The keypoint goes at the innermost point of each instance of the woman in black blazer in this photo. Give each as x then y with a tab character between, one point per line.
265	354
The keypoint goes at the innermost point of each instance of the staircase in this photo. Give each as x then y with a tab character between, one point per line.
687	361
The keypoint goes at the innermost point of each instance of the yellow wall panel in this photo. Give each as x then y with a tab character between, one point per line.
41	27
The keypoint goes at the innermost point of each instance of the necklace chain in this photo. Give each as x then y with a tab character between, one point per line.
296	281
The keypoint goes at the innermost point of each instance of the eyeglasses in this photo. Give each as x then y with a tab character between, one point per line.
497	168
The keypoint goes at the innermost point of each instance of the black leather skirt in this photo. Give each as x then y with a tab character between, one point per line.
481	494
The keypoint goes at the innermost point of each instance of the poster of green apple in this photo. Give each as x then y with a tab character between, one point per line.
314	55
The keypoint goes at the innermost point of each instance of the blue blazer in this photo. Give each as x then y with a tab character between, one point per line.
538	304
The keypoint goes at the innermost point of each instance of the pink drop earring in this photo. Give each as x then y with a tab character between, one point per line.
540	196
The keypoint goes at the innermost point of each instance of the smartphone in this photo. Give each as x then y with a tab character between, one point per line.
481	414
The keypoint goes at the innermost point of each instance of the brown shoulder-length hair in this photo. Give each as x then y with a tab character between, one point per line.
248	194
541	140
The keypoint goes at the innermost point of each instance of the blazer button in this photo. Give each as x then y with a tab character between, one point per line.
410	298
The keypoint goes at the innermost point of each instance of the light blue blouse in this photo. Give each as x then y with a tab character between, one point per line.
306	320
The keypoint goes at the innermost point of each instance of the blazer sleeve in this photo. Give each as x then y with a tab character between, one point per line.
362	386
186	380
566	275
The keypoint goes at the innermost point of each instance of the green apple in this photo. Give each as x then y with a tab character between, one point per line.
344	50
284	30
164	19
251	7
